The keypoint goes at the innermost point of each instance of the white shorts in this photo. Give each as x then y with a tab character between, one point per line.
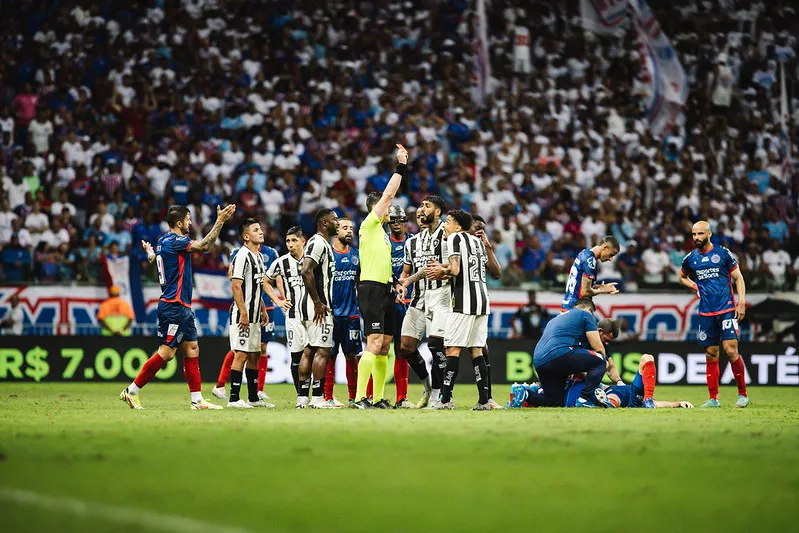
248	340
319	335
296	335
413	325
466	331
438	306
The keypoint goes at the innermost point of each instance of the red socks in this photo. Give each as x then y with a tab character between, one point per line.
148	370
739	371
224	372
330	378
713	378
352	377
401	378
370	393
191	369
650	375
263	366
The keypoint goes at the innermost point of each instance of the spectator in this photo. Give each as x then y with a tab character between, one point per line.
625	333
11	324
777	261
529	321
16	261
657	264
115	315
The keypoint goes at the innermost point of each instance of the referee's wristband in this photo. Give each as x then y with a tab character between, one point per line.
400	169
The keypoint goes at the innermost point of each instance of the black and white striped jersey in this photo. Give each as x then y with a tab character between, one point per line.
290	270
319	249
249	268
469	289
415	257
434	247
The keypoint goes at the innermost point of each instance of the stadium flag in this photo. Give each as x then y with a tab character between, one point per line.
604	17
785	136
668	84
482	63
214	288
119	273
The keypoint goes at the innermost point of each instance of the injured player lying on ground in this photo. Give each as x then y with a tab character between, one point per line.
638	394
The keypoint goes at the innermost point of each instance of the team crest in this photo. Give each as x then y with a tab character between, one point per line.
355	261
702	335
715	259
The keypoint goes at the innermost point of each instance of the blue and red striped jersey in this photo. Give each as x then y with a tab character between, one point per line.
584	267
711	272
174	268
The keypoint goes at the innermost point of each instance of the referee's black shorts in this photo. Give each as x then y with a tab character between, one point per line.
377	308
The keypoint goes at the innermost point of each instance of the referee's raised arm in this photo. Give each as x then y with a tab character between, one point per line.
381	207
375	298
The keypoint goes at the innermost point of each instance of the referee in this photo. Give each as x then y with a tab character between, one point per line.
375	290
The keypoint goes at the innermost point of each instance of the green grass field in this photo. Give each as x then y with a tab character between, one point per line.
75	458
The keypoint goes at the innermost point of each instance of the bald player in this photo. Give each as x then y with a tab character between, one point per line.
711	271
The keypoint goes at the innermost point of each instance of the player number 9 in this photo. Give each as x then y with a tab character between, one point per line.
159	263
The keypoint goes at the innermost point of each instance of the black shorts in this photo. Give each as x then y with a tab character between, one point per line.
377	308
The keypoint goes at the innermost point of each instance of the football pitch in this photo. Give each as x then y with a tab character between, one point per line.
75	458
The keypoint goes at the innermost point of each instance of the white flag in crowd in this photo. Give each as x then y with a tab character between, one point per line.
604	17
482	64
669	86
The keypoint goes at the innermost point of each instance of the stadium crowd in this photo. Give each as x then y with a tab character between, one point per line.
111	112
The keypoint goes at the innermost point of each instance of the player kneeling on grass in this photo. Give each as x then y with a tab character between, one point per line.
247	313
639	394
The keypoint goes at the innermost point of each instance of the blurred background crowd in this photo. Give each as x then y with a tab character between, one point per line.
112	111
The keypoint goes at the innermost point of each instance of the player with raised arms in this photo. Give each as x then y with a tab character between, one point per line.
710	272
175	316
583	272
376	290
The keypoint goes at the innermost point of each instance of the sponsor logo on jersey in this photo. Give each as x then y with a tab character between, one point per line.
591	262
705	259
345	260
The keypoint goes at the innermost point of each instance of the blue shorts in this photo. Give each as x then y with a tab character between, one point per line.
268	330
401	310
714	329
175	324
347	335
628	395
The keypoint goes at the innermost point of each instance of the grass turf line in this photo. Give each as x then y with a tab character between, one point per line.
288	470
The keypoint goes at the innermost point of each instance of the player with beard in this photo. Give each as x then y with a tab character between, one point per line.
710	272
318	267
176	326
346	316
438	292
413	325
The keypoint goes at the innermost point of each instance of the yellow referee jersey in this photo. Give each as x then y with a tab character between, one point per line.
375	250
